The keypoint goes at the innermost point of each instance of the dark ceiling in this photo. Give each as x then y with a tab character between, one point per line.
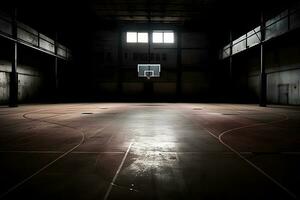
178	11
79	15
145	10
155	11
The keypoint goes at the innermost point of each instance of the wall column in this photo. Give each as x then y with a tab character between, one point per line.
13	84
179	64
231	85
120	63
56	68
263	76
230	57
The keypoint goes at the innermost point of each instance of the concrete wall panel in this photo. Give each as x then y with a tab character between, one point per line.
164	88
283	87
199	77
107	88
4	87
194	57
132	88
193	88
194	40
5	27
295	19
30	82
29	87
253	87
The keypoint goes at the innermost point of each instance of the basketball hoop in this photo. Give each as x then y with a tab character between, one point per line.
148	70
148	73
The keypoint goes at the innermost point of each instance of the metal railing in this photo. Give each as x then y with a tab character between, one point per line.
36	39
233	43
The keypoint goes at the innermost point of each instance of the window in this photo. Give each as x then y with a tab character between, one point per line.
169	37
157	37
142	37
163	37
137	37
131	37
166	37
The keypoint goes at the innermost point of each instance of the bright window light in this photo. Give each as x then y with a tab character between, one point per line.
157	37
163	37
168	37
142	37
131	37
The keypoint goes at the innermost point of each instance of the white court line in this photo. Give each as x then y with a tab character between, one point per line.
3	195
42	169
42	152
122	152
116	174
248	161
74	152
100	152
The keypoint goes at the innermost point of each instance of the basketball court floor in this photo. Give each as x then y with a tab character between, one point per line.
149	151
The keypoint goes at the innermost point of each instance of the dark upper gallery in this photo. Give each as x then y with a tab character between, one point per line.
81	51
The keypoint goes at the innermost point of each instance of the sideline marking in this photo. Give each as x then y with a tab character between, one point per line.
57	152
43	168
248	161
61	156
112	183
3	195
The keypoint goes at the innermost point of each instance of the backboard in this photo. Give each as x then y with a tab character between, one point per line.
148	70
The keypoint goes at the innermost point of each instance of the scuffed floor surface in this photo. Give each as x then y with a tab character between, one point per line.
149	151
